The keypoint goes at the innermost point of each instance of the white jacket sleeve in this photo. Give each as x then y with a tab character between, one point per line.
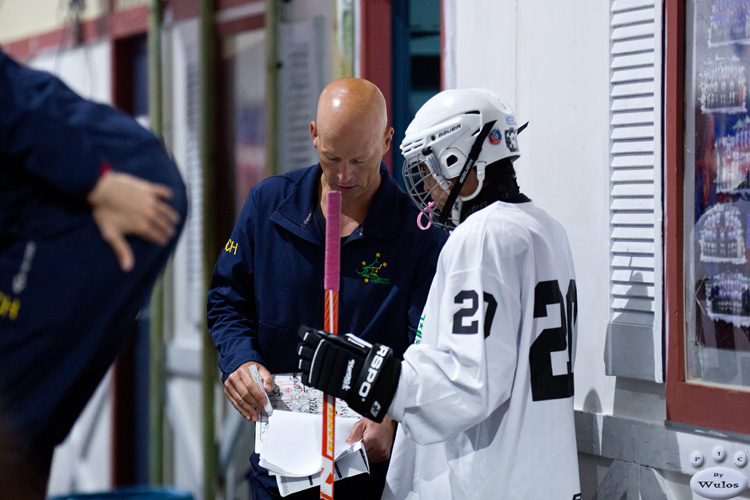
464	367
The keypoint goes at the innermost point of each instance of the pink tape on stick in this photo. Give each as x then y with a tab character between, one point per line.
331	320
333	241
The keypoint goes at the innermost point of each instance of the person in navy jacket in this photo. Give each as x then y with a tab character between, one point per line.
268	278
90	208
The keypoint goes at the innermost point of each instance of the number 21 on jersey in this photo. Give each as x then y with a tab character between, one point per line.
556	339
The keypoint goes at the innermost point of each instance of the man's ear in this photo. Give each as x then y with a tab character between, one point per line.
314	133
387	139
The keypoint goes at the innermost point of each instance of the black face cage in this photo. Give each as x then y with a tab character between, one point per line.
421	178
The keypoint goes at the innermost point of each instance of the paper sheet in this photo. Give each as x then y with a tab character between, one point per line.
289	442
291	395
349	464
293	442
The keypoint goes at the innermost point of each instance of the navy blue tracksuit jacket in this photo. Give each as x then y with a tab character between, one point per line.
65	306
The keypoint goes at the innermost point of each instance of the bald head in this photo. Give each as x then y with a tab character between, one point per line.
351	134
352	100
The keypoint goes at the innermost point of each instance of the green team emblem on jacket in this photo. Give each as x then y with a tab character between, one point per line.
370	271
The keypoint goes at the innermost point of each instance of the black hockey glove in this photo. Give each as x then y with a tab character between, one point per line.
347	367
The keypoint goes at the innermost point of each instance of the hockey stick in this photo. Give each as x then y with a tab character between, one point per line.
331	285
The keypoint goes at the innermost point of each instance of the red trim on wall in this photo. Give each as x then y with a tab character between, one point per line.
123	434
674	24
183	9
118	24
375	53
190	9
700	405
129	22
27	47
228	4
226	28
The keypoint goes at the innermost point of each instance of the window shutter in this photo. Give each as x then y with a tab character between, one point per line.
634	342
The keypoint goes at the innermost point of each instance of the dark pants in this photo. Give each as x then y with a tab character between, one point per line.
65	311
361	487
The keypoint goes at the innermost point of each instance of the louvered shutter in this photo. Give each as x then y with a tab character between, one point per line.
634	343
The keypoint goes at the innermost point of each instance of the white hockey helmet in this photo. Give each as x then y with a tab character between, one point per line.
453	132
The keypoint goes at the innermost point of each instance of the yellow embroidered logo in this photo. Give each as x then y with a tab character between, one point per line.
231	246
370	272
9	306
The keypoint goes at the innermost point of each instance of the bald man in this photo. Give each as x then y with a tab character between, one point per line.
268	279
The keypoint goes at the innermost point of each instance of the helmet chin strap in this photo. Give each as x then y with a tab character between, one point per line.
476	148
457	209
480	179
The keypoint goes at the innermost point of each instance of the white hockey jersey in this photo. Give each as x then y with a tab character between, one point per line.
485	398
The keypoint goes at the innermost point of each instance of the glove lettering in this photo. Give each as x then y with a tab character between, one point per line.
364	389
339	364
372	371
347	383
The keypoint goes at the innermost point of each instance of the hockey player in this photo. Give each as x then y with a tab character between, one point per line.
485	396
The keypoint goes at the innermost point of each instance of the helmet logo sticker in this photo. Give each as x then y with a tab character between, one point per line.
511	121
511	140
495	136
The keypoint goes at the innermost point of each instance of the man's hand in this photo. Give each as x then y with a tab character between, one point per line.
124	205
378	438
244	394
349	368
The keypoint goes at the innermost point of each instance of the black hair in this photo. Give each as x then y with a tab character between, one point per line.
496	171
499	185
